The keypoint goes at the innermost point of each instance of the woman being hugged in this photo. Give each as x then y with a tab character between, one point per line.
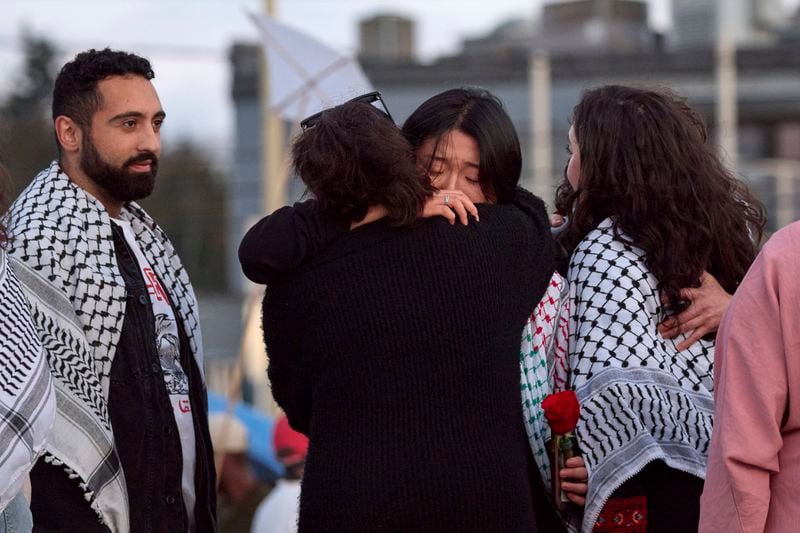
651	209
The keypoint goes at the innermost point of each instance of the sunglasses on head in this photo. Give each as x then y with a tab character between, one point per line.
368	98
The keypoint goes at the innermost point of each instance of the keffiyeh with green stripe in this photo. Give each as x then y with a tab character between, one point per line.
542	349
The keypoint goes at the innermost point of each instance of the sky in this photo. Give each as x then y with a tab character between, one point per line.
188	40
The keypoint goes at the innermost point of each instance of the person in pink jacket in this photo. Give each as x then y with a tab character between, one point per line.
754	462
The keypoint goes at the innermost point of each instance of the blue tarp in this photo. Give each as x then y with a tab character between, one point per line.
260	427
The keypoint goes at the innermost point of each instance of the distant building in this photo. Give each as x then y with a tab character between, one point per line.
792	30
574	27
511	36
751	22
596	26
244	188
387	38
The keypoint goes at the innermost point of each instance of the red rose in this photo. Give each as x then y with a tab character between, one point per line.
562	411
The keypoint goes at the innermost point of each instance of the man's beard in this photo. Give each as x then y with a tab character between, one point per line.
120	183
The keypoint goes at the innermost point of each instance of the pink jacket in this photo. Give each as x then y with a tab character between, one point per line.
753	478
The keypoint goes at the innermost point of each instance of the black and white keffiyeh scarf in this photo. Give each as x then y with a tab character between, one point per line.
63	254
641	399
27	401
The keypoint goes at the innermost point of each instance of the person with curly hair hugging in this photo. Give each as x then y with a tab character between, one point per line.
651	209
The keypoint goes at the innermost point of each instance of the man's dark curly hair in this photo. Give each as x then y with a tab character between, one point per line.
645	161
75	93
355	157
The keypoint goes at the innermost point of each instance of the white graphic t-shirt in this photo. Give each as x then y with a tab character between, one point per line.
175	380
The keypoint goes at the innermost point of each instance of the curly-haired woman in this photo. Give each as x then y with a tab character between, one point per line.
651	209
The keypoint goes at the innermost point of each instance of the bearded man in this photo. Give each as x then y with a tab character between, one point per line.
116	314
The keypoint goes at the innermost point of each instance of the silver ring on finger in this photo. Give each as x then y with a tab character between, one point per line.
447	199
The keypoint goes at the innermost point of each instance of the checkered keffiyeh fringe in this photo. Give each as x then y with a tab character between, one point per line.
641	399
27	401
63	254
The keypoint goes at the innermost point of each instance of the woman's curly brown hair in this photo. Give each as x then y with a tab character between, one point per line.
354	157
646	162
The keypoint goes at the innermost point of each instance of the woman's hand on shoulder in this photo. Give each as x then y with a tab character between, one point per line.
450	204
574	480
707	304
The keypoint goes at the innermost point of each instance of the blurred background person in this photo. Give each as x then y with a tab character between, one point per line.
238	491
651	209
278	512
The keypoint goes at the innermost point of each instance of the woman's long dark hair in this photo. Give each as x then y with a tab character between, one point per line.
354	157
481	115
646	162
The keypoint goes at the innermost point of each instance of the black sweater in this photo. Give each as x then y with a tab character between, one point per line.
397	351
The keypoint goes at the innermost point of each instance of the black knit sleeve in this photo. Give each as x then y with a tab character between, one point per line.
280	242
289	370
